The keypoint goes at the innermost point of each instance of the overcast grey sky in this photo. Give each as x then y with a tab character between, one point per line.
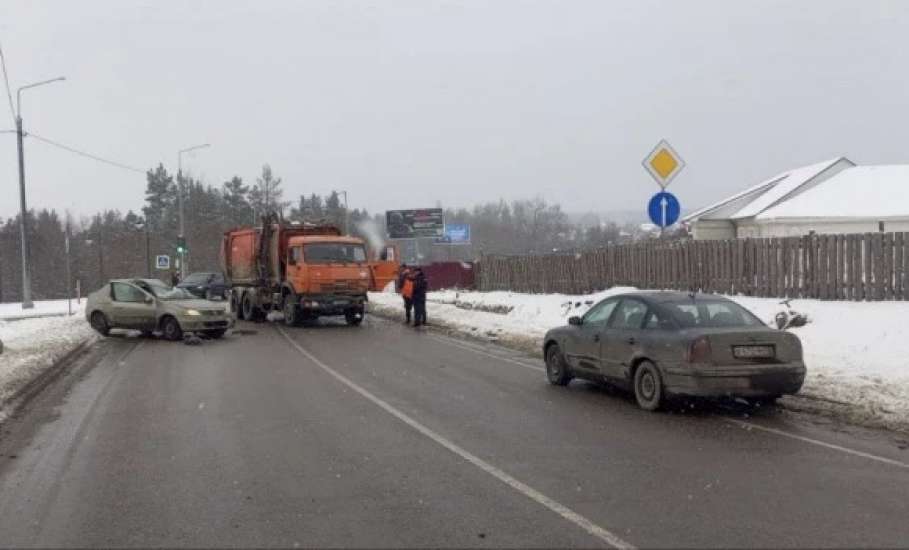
406	103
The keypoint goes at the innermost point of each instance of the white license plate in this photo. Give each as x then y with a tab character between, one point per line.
752	352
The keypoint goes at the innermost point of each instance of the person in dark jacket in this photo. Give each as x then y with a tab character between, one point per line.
420	286
405	288
174	278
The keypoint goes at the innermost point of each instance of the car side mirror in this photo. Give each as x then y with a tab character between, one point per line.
575	321
149	300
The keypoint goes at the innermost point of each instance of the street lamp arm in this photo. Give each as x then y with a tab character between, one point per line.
193	148
32	85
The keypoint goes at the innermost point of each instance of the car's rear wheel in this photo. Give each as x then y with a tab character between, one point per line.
556	368
648	386
100	324
171	329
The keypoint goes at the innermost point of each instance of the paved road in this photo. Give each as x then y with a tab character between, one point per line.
380	436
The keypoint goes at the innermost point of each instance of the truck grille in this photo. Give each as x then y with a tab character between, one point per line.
344	287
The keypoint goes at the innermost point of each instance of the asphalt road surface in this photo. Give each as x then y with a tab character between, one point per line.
383	436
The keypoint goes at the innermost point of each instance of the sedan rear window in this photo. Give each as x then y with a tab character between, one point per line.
711	314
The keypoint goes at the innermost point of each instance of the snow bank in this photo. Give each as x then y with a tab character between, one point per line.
856	353
31	346
42	308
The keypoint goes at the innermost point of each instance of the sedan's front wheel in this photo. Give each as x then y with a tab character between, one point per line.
648	386
100	324
171	329
556	370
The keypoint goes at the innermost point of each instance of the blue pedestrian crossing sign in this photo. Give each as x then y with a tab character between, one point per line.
664	209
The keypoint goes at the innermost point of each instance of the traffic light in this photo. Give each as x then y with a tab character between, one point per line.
181	245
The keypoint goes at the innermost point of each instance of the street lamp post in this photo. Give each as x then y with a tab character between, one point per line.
180	201
143	227
23	209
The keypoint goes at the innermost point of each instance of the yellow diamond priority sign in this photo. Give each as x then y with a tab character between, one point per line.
663	163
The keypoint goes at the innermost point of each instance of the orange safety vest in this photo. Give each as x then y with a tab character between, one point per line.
407	290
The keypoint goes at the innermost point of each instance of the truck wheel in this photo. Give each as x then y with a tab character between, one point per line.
236	306
292	314
354	317
250	311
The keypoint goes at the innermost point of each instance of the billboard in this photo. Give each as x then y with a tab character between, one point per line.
456	233
414	224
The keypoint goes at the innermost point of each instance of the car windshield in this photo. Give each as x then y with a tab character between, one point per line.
711	314
198	278
333	252
164	292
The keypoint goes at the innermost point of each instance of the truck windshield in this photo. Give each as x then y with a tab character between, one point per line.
333	252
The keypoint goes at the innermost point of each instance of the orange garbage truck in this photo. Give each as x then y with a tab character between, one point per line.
303	270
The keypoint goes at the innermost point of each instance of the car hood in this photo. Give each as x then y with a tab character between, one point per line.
191	304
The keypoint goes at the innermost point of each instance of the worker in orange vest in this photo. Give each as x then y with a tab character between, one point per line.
405	287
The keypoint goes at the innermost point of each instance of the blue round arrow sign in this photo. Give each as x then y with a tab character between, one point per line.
664	209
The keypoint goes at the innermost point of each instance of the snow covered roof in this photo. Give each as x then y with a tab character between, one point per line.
754	200
856	192
786	184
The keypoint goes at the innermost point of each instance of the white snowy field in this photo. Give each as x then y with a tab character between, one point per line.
42	308
856	352
31	346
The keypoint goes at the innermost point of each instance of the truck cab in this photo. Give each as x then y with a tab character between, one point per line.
326	275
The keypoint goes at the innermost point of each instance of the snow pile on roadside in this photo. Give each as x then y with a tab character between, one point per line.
42	308
31	346
856	353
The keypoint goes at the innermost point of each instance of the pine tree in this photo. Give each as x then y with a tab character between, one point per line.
237	210
267	195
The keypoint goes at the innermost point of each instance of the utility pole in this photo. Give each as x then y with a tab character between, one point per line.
23	209
180	201
23	222
69	276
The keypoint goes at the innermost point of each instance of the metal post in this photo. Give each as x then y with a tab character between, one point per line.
148	265
23	222
100	251
69	295
182	235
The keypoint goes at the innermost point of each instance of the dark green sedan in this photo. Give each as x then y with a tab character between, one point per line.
664	344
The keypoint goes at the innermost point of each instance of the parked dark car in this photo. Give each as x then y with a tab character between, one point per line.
662	344
205	285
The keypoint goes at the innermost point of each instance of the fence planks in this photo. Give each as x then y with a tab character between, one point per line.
871	266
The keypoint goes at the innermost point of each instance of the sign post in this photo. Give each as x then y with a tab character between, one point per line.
663	164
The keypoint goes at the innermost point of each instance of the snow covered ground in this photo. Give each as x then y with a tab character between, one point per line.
31	346
42	308
856	353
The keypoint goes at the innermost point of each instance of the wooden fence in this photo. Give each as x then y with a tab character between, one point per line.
870	266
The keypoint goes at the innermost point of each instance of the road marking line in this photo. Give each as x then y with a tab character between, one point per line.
847	450
739	423
487	354
538	497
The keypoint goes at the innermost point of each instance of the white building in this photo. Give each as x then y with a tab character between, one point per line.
834	196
